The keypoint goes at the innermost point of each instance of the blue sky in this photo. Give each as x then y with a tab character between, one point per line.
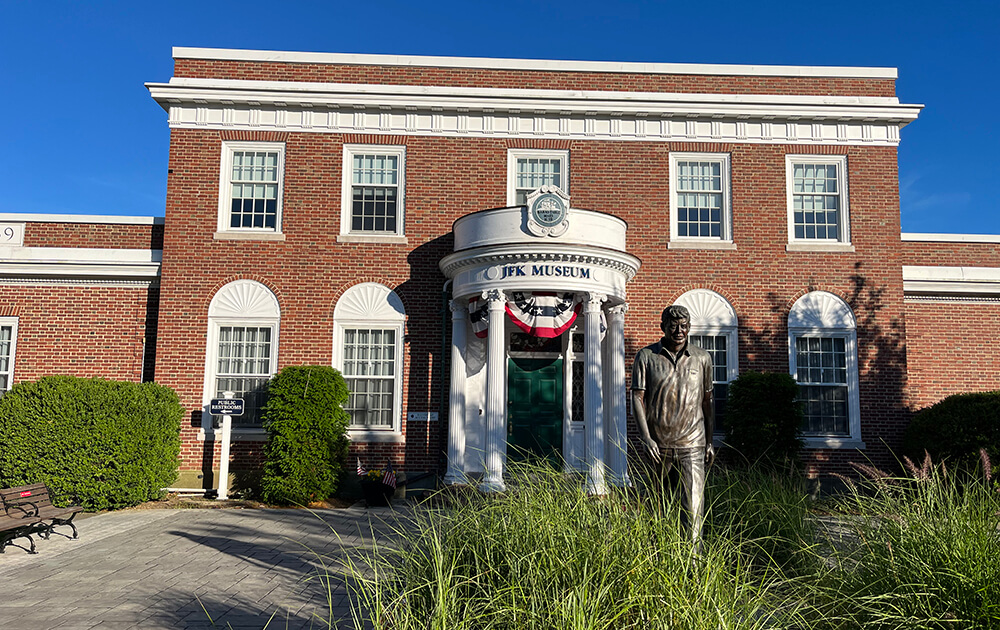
82	136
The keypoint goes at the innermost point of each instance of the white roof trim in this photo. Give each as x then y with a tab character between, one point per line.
551	65
950	280
76	262
916	237
78	218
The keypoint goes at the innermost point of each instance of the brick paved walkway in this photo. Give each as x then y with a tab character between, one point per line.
189	568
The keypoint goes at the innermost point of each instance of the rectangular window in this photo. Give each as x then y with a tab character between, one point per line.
251	186
373	190
370	371
529	170
8	335
821	371
244	368
699	197
717	347
817	199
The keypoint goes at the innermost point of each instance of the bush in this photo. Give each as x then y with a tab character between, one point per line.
99	443
763	419
307	425
955	429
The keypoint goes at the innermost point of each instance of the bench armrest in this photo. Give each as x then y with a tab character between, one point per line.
32	512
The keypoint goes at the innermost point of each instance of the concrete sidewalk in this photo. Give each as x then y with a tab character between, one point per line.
190	568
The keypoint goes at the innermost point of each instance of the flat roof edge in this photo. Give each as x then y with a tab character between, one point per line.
551	65
78	218
922	237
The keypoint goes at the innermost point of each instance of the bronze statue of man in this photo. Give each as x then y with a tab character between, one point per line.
674	410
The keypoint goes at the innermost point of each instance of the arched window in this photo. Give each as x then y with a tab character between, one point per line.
368	326
242	350
714	328
823	359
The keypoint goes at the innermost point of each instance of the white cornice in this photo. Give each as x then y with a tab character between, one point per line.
920	237
929	280
550	65
626	264
501	112
78	218
72	262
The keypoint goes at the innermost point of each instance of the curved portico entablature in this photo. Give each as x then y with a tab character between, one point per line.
495	249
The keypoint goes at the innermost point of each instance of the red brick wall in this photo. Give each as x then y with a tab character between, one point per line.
81	331
951	348
477	77
951	254
95	235
449	177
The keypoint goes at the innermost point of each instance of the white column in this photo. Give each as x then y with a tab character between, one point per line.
456	395
614	396
592	385
496	398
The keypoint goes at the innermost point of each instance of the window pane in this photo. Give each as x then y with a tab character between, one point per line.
369	365
716	346
244	367
822	376
815	187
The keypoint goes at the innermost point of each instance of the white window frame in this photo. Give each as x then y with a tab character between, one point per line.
346	196
725	237
548	154
242	303
822	314
224	231
370	305
12	322
844	225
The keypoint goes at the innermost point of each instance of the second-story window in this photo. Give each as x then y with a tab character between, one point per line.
251	186
373	190
699	198
817	199
530	169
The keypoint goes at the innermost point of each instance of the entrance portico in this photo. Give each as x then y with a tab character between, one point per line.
531	272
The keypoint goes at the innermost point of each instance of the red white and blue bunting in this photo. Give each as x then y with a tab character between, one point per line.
540	313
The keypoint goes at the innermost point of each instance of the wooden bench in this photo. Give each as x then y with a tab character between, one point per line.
29	510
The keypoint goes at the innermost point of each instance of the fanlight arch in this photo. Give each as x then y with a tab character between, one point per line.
821	309
369	301
708	309
244	299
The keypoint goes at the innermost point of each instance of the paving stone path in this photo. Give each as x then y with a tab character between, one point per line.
192	568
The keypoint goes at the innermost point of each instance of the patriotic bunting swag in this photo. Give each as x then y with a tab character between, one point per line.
541	314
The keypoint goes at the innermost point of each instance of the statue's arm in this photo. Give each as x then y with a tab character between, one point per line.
639	413
708	412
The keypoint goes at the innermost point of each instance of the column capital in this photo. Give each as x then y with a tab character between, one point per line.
459	308
593	301
493	296
619	309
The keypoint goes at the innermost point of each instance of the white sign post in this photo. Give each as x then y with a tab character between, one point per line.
227	430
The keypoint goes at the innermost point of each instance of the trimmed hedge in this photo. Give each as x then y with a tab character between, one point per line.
307	425
955	428
763	418
98	443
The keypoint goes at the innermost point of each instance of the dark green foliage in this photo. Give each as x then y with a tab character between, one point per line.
307	425
98	443
763	419
955	428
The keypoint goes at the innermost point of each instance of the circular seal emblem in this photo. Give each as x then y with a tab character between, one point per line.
548	210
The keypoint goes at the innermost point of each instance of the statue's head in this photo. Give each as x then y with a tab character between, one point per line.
675	322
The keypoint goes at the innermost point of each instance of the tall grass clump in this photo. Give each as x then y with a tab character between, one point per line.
920	552
545	555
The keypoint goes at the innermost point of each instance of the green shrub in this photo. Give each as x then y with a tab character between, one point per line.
955	428
307	425
763	419
99	443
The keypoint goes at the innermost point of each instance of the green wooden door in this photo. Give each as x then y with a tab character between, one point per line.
535	408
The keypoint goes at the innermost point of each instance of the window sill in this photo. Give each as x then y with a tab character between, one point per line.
718	245
837	443
819	247
375	436
372	238
238	434
248	236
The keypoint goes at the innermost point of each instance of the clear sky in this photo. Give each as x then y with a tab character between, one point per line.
80	134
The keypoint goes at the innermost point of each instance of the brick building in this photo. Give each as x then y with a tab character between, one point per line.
482	246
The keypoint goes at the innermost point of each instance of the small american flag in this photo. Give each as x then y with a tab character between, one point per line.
361	469
389	478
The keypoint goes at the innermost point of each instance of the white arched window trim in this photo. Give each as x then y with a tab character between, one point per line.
372	306
239	304
823	315
713	316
